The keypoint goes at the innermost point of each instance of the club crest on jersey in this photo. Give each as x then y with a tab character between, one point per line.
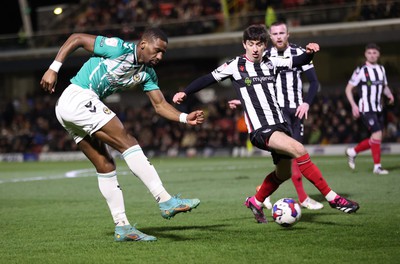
106	110
269	65
136	77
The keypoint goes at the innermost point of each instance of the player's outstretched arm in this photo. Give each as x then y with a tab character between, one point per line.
312	48
195	86
233	104
76	40
166	110
179	97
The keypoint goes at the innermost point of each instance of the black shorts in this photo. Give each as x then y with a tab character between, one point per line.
295	124
373	121
260	137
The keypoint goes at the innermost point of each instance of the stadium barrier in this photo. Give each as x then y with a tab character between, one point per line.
323	150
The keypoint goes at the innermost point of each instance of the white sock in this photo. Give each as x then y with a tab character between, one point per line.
377	166
109	187
352	152
258	202
331	196
145	171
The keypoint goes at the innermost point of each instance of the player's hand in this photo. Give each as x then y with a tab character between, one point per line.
195	117
302	110
234	103
49	81
312	47
179	97
391	99
355	111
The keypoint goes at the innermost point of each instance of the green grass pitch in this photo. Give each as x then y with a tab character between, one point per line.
47	217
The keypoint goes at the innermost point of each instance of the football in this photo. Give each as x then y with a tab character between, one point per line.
286	212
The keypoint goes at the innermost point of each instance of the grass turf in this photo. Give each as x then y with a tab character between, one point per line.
49	218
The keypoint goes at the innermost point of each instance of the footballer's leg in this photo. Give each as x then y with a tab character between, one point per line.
312	172
109	187
114	134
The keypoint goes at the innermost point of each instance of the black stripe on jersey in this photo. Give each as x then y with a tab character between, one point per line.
241	83
378	90
368	78
268	95
293	51
250	90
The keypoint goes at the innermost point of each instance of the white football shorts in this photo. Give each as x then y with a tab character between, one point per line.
81	112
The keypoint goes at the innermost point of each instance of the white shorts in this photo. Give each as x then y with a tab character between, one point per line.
81	112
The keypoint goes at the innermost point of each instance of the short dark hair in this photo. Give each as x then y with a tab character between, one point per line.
278	23
154	33
372	46
255	32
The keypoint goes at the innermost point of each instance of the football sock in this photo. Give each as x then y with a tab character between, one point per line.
312	173
109	188
258	202
298	182
363	145
269	185
331	196
145	171
376	150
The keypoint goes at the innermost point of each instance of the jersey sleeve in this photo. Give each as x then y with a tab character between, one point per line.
385	81
305	67
109	47
356	77
151	80
224	71
281	62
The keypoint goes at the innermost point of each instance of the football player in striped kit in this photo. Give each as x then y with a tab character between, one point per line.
290	98
253	77
116	65
370	78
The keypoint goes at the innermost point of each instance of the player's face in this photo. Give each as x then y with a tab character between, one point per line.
254	50
279	36
151	52
372	55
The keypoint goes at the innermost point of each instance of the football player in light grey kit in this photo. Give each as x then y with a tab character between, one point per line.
115	66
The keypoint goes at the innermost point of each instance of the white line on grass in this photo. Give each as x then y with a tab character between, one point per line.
92	172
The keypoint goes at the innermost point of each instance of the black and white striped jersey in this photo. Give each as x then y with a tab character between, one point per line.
288	82
254	84
371	81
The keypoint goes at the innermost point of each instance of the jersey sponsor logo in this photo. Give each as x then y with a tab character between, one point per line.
112	42
377	82
258	79
106	110
247	81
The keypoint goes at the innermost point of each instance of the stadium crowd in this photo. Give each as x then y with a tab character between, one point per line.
184	17
29	125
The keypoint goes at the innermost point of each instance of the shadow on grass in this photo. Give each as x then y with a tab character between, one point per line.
162	232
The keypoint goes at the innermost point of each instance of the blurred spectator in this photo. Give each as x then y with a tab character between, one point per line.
29	125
